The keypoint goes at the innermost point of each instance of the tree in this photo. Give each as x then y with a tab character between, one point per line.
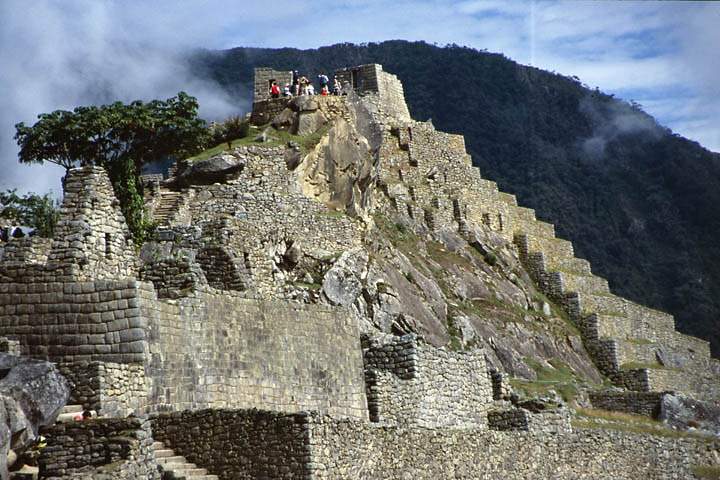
120	137
39	212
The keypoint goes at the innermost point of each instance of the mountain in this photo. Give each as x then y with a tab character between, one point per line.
637	200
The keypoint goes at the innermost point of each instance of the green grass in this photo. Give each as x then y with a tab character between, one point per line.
281	138
445	257
707	472
558	377
333	213
659	431
454	333
642	365
627	422
308	286
628	418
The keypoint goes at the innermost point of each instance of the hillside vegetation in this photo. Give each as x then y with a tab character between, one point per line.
637	200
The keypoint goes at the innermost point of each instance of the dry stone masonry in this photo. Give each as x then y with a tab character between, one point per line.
238	336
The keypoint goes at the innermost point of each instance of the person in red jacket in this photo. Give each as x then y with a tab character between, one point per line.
275	90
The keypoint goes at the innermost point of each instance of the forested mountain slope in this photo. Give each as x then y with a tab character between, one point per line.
638	201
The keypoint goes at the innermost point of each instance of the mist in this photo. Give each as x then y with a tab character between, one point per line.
58	55
612	120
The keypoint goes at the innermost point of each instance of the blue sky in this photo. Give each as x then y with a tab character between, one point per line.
54	54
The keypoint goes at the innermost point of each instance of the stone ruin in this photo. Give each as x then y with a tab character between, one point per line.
231	345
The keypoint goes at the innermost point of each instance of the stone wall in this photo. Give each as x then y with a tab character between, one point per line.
239	444
99	449
255	444
263	211
641	403
216	350
91	235
111	389
263	78
371	79
74	321
265	110
410	382
379	452
546	422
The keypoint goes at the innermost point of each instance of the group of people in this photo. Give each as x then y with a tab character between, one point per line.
302	86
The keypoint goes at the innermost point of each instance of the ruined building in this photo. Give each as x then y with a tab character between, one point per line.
345	297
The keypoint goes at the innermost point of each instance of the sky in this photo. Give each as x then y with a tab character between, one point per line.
57	54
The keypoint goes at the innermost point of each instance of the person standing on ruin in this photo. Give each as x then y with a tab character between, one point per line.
323	79
275	90
296	82
286	90
303	85
337	88
310	89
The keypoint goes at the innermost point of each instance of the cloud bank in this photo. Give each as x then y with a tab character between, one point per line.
59	54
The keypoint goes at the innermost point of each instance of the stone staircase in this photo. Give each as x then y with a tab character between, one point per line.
176	467
636	346
168	206
69	413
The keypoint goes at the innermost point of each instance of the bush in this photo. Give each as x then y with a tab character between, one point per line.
231	129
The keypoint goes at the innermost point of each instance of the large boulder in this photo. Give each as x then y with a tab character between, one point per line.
340	170
309	122
304	103
219	168
343	282
685	413
32	394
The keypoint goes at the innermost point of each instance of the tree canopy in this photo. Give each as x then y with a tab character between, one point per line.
120	137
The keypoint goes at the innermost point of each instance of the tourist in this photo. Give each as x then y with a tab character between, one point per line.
286	90
275	90
310	89
303	85
337	89
323	80
296	82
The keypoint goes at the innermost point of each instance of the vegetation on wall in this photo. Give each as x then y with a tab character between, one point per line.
637	200
120	137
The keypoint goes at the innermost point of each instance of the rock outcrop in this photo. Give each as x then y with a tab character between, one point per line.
32	394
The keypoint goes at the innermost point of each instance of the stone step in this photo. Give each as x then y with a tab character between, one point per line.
190	472
485	184
535	227
572	282
698	384
178	466
635	330
573	265
172	458
615	306
662	355
163	453
508	198
523	214
555	249
68	417
72	409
